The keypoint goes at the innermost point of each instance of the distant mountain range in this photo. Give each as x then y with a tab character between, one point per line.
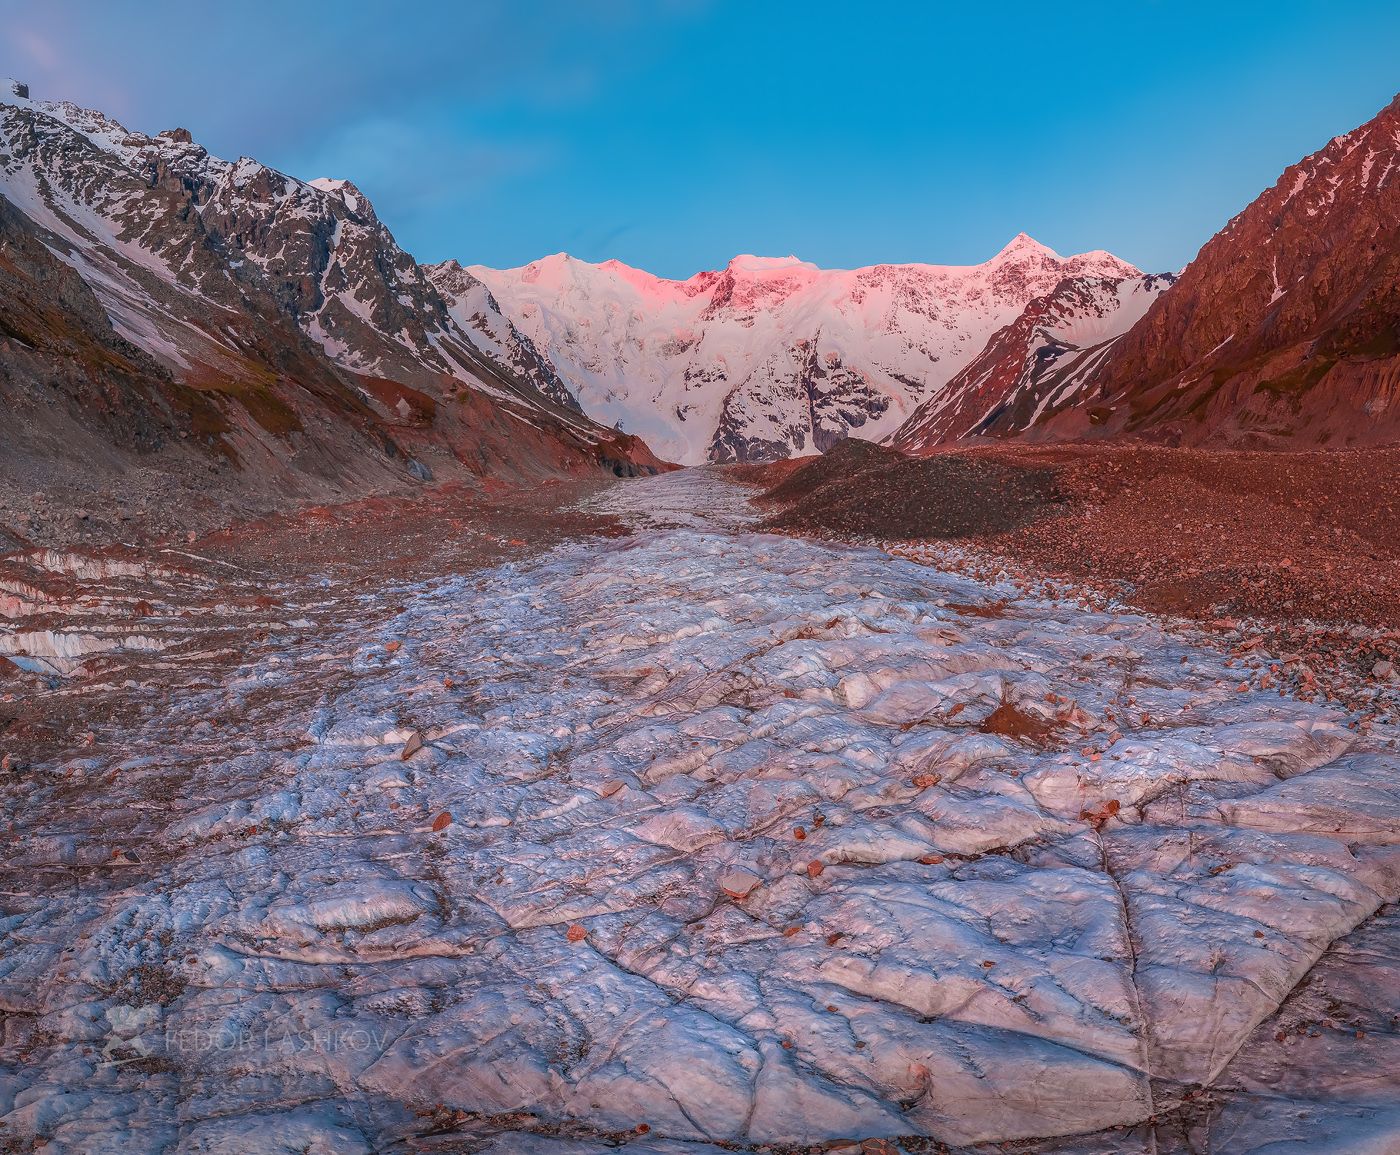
1284	331
772	357
158	304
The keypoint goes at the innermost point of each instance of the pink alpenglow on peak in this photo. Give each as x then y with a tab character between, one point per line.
1022	244
770	357
748	263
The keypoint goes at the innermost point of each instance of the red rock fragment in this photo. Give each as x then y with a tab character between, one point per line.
576	933
814	868
442	821
1100	812
739	883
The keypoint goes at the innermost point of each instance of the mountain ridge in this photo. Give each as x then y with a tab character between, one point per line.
1285	329
301	351
770	356
1039	359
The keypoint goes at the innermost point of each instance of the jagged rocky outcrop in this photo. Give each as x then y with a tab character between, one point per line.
771	357
1285	329
471	305
1040	360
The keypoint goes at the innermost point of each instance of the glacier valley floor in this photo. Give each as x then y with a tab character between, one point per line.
697	840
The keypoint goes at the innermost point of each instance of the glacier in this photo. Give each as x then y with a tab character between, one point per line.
705	836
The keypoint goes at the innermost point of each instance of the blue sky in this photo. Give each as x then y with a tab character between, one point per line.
672	134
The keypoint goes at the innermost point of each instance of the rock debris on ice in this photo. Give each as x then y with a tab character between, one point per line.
620	925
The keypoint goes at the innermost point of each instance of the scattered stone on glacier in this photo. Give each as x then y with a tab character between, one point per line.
739	883
701	668
411	746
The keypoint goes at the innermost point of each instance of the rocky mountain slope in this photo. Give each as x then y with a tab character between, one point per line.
1041	359
1284	331
771	357
272	325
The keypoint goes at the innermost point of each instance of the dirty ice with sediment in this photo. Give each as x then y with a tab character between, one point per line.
736	837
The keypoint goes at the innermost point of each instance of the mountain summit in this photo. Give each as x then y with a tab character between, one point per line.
770	356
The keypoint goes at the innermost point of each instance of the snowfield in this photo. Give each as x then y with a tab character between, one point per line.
704	836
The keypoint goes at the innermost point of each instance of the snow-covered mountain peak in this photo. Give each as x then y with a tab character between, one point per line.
770	356
1025	252
1021	246
346	192
100	129
750	264
553	269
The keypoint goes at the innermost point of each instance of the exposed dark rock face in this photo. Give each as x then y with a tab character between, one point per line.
823	401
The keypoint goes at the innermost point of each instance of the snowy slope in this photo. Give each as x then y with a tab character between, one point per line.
475	312
286	304
1042	358
771	357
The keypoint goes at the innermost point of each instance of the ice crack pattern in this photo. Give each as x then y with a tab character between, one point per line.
728	836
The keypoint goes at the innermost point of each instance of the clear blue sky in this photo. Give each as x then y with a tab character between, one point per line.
672	134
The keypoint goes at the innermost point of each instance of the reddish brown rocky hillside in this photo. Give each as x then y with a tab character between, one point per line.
1285	330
